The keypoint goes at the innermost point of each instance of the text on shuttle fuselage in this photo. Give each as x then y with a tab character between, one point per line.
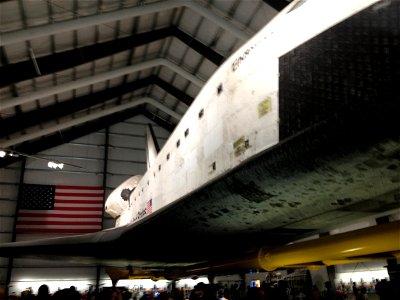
140	214
236	63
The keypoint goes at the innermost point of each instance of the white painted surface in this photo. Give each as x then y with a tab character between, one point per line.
249	78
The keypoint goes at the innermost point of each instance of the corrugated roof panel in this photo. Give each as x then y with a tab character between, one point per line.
166	74
64	41
226	5
190	20
62	10
120	59
142	74
110	5
190	62
5	93
8	112
10	17
125	27
207	32
161	114
176	49
98	86
65	96
157	92
86	36
116	81
46	101
41	46
88	7
135	93
84	70
152	49
226	44
175	80
130	3
261	17
82	91
207	68
24	87
16	52
181	108
43	82
245	11
36	13
192	90
64	76
163	19
139	54
107	31
103	65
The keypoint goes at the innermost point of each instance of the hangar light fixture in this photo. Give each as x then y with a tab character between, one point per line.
5	152
53	164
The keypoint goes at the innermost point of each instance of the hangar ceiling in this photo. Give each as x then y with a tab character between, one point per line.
69	67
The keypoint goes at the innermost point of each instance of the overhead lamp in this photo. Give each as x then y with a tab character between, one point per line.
6	152
50	164
55	165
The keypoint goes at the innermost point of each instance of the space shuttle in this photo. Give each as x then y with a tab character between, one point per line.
295	134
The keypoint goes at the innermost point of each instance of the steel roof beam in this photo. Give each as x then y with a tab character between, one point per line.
19	122
210	13
75	132
277	4
199	47
82	82
58	62
86	118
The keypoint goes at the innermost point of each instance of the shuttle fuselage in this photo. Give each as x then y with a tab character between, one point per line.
236	117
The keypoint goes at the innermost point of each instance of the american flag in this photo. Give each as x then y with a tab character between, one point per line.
149	206
60	209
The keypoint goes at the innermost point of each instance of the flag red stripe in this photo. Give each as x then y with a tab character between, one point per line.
46	222
44	215
48	230
80	201
68	187
78	208
79	194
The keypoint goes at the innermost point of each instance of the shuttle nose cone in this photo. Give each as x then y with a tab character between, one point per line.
118	201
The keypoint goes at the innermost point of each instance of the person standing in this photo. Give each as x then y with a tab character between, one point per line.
355	290
315	294
329	292
43	292
362	294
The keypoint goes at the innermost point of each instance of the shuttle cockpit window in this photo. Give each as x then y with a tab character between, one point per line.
126	193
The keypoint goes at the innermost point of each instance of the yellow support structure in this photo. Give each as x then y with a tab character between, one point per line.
363	244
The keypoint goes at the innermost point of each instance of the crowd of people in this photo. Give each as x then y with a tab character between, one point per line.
281	290
71	293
